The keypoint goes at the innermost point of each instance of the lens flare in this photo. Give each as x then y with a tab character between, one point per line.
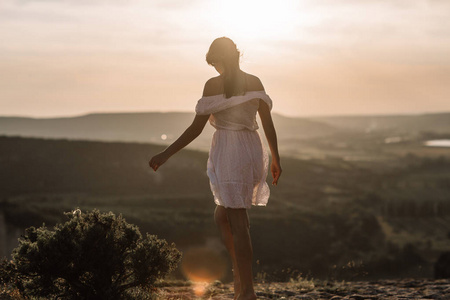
203	265
199	288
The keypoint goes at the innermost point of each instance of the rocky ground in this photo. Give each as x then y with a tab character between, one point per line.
309	289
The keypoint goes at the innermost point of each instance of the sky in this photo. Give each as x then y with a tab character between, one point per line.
314	57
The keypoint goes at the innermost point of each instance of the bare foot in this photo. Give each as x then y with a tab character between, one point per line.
249	296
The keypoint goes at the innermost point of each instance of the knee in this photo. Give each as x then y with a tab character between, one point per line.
220	216
239	222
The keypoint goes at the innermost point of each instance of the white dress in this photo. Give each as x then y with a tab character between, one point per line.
238	162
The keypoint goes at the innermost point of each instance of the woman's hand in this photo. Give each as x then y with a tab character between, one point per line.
275	168
192	132
158	160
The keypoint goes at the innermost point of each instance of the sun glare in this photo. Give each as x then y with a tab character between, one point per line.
256	19
203	265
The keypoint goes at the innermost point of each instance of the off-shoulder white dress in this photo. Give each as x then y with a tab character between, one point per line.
238	162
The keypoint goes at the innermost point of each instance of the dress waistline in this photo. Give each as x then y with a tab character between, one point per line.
243	129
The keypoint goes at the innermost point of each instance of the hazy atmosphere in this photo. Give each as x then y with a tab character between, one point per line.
65	58
97	95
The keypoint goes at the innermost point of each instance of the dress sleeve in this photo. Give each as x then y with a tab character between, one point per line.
212	104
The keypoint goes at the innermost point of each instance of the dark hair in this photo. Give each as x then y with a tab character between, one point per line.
224	50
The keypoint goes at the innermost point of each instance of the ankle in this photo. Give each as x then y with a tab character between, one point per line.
243	296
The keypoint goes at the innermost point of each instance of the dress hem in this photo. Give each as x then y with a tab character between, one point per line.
239	207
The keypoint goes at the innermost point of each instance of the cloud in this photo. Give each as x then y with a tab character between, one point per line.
177	4
343	56
75	2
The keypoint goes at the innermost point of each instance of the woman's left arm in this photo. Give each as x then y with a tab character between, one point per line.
190	134
271	135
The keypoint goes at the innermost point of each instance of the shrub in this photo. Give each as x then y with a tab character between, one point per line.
8	289
92	256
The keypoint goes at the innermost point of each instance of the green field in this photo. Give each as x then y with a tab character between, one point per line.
329	217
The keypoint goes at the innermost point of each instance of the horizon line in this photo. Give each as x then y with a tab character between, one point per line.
175	111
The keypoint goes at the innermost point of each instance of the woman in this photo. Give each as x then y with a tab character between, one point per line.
238	162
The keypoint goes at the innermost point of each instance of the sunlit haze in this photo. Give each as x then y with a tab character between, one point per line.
322	57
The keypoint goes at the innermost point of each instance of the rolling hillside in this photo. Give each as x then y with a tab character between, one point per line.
331	211
397	124
141	127
364	139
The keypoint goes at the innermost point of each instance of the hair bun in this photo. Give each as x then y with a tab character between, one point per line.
224	50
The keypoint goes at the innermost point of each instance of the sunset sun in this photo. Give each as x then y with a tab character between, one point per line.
256	19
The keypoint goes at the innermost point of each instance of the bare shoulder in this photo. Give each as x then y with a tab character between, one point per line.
254	83
214	86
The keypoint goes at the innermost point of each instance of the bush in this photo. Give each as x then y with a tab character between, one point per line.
92	256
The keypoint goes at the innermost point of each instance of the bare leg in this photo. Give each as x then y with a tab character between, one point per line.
221	219
238	219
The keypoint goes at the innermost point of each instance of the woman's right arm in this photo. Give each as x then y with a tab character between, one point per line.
190	134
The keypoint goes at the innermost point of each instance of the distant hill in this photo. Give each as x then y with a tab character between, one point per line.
298	137
400	124
160	128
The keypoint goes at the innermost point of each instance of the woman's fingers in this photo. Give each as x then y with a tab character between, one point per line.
275	176
276	173
157	161
153	164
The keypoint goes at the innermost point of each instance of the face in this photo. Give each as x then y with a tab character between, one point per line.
219	67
